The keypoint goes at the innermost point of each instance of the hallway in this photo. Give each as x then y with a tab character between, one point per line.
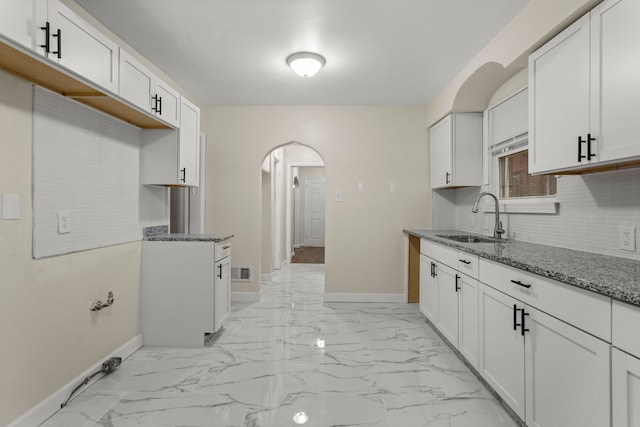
346	364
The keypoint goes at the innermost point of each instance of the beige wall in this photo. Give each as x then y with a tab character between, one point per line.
47	334
376	145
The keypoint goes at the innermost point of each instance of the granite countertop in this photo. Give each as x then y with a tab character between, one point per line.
616	277
161	233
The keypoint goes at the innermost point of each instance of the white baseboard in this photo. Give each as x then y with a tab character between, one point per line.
349	297
49	406
245	296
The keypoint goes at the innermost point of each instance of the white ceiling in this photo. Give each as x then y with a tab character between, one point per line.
378	52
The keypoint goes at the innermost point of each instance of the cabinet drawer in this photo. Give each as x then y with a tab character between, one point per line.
223	249
626	319
584	309
468	264
443	254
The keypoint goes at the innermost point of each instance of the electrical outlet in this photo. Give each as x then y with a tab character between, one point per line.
64	221
628	238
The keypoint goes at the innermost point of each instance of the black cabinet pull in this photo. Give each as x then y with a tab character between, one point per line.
523	328
184	175
58	35
220	273
431	269
464	261
160	105
447	175
457	283
47	34
519	283
226	247
589	140
515	317
154	103
580	142
435	270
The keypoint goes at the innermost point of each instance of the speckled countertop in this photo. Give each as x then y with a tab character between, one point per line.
615	277
161	233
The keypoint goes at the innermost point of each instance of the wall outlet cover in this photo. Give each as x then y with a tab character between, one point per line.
628	238
64	221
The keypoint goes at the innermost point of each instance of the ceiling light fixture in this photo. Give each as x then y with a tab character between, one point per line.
305	64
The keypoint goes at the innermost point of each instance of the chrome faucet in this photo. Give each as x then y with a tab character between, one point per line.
498	231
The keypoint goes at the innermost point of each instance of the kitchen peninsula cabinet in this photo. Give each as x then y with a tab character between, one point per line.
584	93
456	151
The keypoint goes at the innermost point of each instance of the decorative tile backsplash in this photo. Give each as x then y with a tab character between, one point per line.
593	207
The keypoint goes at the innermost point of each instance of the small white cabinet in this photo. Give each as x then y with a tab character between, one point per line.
146	91
456	151
428	289
172	157
18	21
585	92
184	293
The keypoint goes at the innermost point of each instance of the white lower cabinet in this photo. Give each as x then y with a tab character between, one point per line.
468	318
428	289
625	389
567	374
501	359
222	292
447	321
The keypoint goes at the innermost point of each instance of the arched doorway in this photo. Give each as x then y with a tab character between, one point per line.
293	202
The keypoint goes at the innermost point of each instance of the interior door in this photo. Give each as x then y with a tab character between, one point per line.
314	211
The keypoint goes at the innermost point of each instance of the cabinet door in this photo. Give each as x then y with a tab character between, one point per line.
468	319
428	289
136	82
222	293
616	68
567	374
188	158
441	151
447	323
168	103
501	359
625	389
81	48
17	21
559	106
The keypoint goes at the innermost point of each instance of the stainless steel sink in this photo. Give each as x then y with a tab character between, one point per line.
468	238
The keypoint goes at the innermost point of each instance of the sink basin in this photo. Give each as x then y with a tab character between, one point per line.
468	238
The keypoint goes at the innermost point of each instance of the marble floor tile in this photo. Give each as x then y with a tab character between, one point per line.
291	360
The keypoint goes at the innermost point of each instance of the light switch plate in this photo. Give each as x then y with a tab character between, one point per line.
10	206
64	221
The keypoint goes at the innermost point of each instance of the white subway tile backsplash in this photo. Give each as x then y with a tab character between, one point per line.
593	207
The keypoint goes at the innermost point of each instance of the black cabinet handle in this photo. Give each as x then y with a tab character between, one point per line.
447	175
58	35
159	105
435	269
457	283
154	103
184	175
464	261
580	142
431	269
523	328
515	317
589	140
47	34
519	283
226	247
220	273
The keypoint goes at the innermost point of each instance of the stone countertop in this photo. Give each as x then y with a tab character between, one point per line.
618	278
189	237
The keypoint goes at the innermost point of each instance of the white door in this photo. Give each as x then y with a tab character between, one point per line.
277	214
625	389
559	105
314	211
616	43
567	374
501	360
428	289
468	319
447	302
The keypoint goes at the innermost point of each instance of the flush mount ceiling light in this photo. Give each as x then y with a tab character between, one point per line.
305	64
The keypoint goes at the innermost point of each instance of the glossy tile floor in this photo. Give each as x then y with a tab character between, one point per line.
341	364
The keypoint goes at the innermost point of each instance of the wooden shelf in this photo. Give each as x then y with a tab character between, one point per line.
36	69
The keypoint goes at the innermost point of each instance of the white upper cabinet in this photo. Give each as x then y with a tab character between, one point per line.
585	92
142	88
17	21
79	47
173	157
456	151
